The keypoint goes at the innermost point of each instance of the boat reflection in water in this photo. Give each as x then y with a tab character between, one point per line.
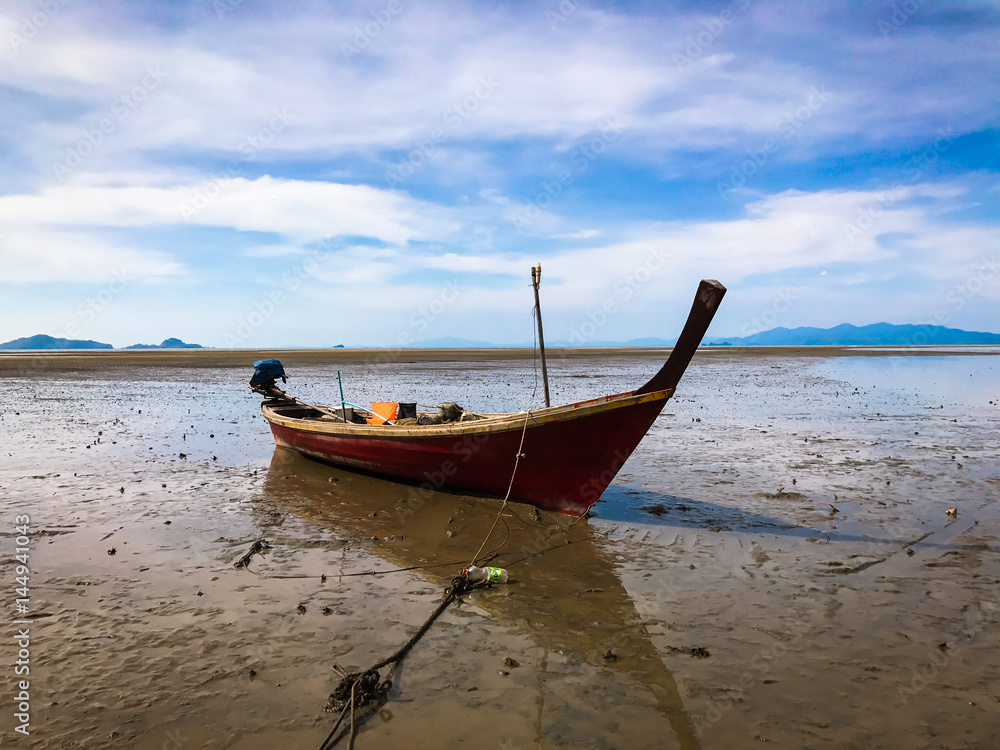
566	600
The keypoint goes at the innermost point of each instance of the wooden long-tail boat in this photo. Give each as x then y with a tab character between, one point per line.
560	458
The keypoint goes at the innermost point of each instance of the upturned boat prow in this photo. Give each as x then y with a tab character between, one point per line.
559	458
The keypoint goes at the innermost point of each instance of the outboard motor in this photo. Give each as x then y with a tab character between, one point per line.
265	372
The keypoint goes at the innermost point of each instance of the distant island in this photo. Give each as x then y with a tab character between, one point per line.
876	334
42	341
167	344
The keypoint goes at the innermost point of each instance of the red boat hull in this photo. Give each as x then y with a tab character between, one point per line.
569	453
566	462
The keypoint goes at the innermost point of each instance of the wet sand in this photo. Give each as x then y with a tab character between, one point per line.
718	536
14	363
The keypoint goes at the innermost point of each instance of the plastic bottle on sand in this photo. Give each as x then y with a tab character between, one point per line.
487	575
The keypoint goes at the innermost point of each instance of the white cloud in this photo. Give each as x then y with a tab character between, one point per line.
423	71
789	230
300	210
37	254
781	235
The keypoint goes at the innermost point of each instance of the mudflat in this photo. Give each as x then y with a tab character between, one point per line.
13	362
775	563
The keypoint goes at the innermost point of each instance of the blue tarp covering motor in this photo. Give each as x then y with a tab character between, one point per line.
265	372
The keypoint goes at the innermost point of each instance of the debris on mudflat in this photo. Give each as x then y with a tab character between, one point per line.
259	546
696	652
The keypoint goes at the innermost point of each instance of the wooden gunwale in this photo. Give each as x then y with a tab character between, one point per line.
490	423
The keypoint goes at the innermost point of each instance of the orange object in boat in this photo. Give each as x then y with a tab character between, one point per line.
384	411
569	454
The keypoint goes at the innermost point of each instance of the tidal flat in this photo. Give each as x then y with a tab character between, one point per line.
775	565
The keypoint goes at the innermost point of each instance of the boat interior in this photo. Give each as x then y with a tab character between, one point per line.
381	413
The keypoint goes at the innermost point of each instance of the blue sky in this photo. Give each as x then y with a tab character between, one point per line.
306	174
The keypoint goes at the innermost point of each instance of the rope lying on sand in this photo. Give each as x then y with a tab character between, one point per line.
358	690
361	689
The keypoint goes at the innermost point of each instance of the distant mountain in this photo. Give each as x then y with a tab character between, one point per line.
42	341
167	344
876	334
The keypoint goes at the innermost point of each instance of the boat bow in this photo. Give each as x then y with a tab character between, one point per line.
570	453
